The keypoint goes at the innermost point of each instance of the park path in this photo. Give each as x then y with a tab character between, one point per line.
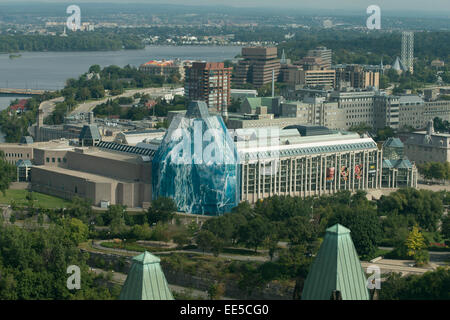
97	245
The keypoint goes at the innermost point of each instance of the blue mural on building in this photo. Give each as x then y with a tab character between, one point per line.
197	164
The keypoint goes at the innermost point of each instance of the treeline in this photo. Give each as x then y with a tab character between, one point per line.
435	170
34	261
14	126
399	219
88	41
97	81
351	46
121	108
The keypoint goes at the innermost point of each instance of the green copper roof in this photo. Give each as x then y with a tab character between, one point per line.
145	280
336	267
393	143
254	102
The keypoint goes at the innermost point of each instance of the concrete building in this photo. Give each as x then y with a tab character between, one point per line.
300	160
243	93
317	78
357	106
313	165
134	137
209	82
109	172
324	54
357	76
256	66
164	68
427	146
312	63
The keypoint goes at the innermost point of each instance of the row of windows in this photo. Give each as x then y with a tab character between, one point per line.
54	160
16	155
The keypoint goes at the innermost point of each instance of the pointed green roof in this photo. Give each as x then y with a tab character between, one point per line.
336	267
145	280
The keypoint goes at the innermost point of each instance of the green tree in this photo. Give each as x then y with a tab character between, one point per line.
446	227
254	233
7	173
161	210
205	239
416	245
77	230
365	227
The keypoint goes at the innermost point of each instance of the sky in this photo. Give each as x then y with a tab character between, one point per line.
442	6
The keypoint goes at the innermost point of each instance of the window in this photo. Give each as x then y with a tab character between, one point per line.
53	160
59	160
47	159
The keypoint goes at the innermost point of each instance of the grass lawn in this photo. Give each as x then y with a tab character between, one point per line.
43	200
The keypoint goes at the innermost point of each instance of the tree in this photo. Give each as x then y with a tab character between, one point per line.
423	205
432	285
77	230
80	208
205	239
141	232
94	68
254	233
216	291
446	227
7	173
115	218
364	225
181	238
161	210
415	244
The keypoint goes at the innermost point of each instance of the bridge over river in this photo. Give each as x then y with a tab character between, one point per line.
22	92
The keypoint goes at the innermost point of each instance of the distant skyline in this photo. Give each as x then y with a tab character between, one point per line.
441	6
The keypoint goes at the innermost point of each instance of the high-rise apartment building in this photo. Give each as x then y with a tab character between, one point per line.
209	82
408	51
324	54
257	66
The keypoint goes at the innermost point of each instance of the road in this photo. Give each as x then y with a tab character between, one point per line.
48	106
89	106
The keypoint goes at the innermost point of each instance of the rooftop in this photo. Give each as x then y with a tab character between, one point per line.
336	267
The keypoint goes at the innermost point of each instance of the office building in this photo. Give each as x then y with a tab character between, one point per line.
356	76
317	78
164	68
209	82
257	66
324	54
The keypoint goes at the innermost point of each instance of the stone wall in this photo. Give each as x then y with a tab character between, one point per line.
272	291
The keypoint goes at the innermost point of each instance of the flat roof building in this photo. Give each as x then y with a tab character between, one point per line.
257	65
209	82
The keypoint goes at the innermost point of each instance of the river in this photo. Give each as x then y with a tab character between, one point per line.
50	70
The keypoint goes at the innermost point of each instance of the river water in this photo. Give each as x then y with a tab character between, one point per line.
50	70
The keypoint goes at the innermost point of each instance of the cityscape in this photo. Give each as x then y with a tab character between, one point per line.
245	151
